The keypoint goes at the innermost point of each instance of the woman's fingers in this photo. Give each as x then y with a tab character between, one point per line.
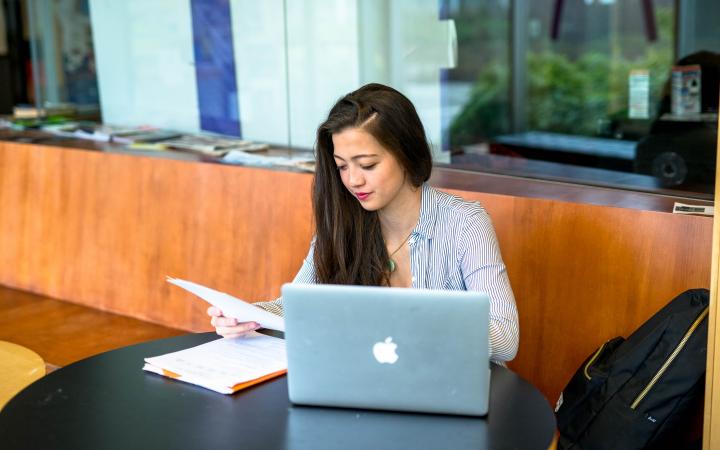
223	321
237	330
228	326
214	311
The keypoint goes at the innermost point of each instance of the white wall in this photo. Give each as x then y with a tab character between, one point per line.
144	57
259	45
323	61
144	54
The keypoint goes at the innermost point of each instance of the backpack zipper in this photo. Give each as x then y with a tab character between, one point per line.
592	360
670	359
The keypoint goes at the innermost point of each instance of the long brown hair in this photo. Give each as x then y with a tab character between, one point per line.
349	246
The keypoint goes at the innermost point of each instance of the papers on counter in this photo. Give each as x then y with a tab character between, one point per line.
225	365
682	208
242	157
231	306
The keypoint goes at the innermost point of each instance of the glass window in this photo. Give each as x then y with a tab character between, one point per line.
607	92
63	65
591	92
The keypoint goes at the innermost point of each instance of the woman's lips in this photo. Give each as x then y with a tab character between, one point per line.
362	196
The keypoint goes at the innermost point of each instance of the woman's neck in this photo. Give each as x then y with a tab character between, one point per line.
398	218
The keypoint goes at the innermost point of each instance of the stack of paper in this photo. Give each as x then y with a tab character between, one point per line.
242	157
206	144
225	365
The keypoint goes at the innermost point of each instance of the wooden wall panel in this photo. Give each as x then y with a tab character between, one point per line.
105	229
583	274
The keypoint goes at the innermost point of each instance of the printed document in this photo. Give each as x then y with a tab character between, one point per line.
231	306
225	365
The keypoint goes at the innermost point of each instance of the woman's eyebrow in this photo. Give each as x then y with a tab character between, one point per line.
356	156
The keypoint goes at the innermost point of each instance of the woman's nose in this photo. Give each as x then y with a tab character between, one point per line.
356	177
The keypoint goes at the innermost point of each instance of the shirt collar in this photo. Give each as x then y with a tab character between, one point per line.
428	212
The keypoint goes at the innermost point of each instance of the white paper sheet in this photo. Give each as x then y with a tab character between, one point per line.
231	306
683	208
223	363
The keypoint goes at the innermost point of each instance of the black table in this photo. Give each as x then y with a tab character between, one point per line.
108	402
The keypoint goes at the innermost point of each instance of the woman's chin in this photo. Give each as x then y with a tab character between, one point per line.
370	206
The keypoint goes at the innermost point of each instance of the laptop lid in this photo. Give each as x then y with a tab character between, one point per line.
387	348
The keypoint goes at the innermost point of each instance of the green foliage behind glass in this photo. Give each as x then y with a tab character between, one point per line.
573	97
563	96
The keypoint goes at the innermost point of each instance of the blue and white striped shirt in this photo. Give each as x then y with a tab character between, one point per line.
453	247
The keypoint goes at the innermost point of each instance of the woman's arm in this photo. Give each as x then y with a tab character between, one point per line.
483	270
306	275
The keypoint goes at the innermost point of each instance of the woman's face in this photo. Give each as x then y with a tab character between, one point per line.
369	171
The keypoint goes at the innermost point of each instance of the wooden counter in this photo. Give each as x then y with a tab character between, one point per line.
105	229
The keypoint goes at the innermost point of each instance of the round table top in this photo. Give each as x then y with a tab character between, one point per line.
19	366
109	402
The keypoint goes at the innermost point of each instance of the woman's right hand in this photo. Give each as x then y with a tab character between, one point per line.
229	327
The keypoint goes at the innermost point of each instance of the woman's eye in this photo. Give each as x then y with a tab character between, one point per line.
341	168
370	167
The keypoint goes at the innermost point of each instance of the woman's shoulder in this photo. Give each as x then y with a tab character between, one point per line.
453	206
464	222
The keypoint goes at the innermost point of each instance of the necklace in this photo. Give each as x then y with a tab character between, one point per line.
391	262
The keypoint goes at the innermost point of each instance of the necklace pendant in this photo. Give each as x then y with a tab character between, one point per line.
391	265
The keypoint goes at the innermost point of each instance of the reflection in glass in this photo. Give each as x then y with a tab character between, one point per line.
584	89
64	57
571	90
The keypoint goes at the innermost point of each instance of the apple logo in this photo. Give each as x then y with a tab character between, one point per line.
384	352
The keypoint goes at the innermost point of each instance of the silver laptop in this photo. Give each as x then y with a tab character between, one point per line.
387	348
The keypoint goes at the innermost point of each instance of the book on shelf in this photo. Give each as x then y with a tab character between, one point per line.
153	135
33	112
225	365
304	162
111	133
211	145
46	123
148	146
62	128
256	147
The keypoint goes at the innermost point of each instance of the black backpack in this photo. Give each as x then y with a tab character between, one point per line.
641	392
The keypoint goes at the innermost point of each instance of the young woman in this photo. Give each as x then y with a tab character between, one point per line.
379	224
